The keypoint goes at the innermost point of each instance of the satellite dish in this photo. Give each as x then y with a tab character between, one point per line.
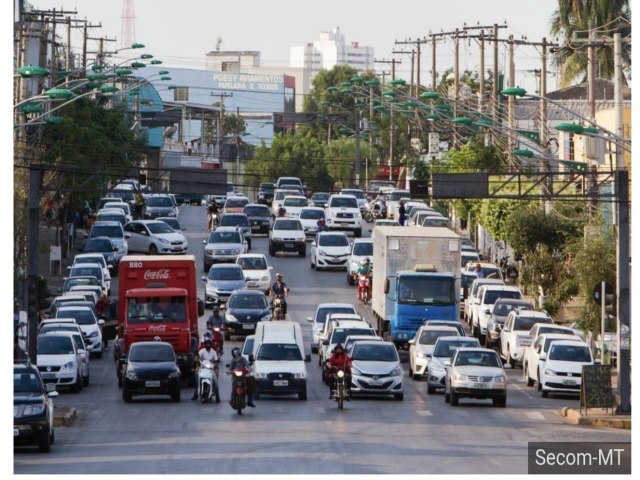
168	132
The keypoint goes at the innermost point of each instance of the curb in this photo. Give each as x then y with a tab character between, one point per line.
64	416
574	417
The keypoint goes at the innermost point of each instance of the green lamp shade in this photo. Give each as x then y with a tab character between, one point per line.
163	72
32	107
332	89
483	123
345	90
462	121
137	45
124	71
523	152
156	62
165	78
431	117
109	89
146	56
390	93
570	127
98	67
345	84
357	79
591	131
392	100
325	103
134	91
92	85
54	119
513	92
137	65
97	76
372	83
429	95
59	93
360	104
379	108
412	104
443	107
33	71
344	130
398	82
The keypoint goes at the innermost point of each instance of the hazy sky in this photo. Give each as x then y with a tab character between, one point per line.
181	33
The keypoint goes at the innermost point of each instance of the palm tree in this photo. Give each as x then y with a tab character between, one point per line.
573	18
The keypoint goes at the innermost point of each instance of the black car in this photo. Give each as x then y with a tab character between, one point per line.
104	246
245	308
239	220
319	199
259	217
265	193
32	408
151	369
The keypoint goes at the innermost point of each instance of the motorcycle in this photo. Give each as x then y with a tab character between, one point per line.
364	288
374	210
340	391
207	382
277	307
509	268
217	340
239	389
213	222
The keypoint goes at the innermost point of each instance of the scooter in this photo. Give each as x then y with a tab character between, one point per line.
207	382
278	308
364	284
217	340
239	390
509	268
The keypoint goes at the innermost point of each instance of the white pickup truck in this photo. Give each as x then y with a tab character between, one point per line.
515	336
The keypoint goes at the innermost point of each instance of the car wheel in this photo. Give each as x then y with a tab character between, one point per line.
85	381
314	349
431	389
153	250
126	395
539	382
271	250
313	265
45	444
249	244
227	336
77	387
447	395
545	393
454	399
303	252
302	395
527	377
99	354
500	401
350	280
398	396
175	396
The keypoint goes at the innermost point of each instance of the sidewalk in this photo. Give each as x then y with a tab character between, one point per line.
597	417
55	273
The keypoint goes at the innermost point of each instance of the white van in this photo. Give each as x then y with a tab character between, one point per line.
278	359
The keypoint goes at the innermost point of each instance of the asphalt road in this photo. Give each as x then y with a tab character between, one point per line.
420	435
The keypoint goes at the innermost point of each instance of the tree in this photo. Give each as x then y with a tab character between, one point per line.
573	19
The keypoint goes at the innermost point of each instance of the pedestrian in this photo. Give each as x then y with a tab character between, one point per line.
402	213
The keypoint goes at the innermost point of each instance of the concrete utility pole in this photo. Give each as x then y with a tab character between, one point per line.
496	77
219	130
418	42
511	103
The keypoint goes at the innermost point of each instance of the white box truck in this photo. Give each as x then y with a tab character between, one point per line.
416	277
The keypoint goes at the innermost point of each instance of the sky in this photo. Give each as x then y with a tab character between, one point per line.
181	33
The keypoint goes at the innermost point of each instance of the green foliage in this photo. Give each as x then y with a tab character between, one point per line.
233	124
340	160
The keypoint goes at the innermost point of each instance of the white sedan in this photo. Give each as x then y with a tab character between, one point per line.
421	348
256	271
154	237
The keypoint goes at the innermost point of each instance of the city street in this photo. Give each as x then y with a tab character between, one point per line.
420	435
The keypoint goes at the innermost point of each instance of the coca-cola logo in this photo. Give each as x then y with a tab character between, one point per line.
157	328
162	274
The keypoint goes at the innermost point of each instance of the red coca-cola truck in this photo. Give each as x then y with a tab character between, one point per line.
157	300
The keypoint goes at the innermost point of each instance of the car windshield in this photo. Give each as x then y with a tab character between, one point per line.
343	202
398	195
526	323
448	348
312	214
552	329
82	317
491	296
429	337
98	245
248	301
333	240
295	202
287	225
26	382
374	353
236	202
284	193
224	237
363	248
356	193
114	231
323	312
120	206
152	353
159	227
52	345
476	358
226	274
255	211
99	259
316	197
435	222
156	309
172	222
279	351
81	271
569	353
234	220
503	309
158	202
339	334
252	263
109	217
427	291
72	282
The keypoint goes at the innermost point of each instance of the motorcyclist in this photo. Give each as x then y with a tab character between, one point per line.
339	360
365	269
322	225
238	362
215	319
207	353
213	209
280	288
282	212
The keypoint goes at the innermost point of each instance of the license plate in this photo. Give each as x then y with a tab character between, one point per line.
480	385
255	227
525	343
248	327
152	383
16	432
569	382
375	382
252	284
48	376
288	245
281	383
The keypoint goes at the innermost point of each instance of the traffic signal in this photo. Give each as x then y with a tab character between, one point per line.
142	178
33	296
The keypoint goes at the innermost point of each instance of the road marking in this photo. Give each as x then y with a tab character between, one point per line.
424	413
534	415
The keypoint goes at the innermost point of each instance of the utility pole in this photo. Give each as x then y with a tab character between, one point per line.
418	42
412	53
495	96
219	130
392	122
85	37
35	180
481	90
433	63
511	103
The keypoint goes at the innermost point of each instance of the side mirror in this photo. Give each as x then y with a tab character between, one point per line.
127	235
307	358
476	301
204	242
309	319
543	356
101	322
487	312
251	358
411	342
270	267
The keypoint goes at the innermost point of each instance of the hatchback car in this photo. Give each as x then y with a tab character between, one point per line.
155	237
122	206
59	360
223	245
172	222
287	235
158	205
88	322
238	220
309	217
69	325
475	373
112	215
115	232
293	204
235	204
92	270
151	369
221	281
104	247
318	320
376	369
421	348
562	372
330	250
245	308
256	271
33	410
94	258
79	281
443	350
259	218
361	248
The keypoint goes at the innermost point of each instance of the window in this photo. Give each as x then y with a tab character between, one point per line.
427	291
363	248
279	351
429	337
446	349
374	353
570	353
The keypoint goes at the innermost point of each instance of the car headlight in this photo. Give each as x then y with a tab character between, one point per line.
33	409
459	377
164	241
236	251
421	355
357	215
396	371
266	318
355	371
174	374
436	369
131	375
300	375
261	375
230	318
500	379
264	279
94	334
67	366
548	371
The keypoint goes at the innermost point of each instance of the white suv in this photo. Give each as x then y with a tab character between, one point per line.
515	337
59	360
343	213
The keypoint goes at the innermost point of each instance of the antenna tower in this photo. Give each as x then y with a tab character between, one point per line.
128	29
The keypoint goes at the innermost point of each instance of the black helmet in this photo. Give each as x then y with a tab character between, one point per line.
235	352
338	346
207	341
206	337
